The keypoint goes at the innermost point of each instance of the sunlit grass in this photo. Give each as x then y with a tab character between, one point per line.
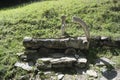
42	19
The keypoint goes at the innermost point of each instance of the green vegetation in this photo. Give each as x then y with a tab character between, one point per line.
42	19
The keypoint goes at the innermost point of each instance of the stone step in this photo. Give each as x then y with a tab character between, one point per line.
78	43
64	43
48	63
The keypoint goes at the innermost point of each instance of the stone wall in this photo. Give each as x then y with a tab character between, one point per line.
76	43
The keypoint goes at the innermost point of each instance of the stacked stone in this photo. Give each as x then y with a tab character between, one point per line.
77	43
63	62
60	53
99	41
55	53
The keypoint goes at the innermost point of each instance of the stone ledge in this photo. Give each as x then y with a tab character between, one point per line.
47	63
77	43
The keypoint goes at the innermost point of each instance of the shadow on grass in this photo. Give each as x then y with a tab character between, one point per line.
94	53
16	3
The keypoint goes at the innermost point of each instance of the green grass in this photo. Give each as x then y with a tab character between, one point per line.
42	19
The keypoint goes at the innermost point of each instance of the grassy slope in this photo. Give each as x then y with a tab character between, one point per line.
42	19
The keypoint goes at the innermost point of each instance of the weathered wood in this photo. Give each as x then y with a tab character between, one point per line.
63	25
85	28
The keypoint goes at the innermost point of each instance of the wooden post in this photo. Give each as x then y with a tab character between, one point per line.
63	25
85	28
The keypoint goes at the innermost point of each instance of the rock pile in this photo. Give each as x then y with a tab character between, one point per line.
47	54
52	53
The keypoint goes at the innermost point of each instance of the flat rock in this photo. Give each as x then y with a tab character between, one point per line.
55	62
64	43
99	62
118	75
63	59
63	62
60	76
25	65
91	73
44	63
52	78
69	77
45	59
105	38
104	61
81	62
47	72
37	77
80	77
19	54
23	57
27	39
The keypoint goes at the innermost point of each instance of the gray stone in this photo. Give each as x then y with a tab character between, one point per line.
92	73
80	77
69	77
81	62
23	57
63	62
76	56
47	72
44	63
103	69
68	59
60	76
118	75
111	75
63	43
45	59
57	55
104	61
105	38
103	78
55	43
25	65
99	63
37	77
53	78
27	39
19	54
